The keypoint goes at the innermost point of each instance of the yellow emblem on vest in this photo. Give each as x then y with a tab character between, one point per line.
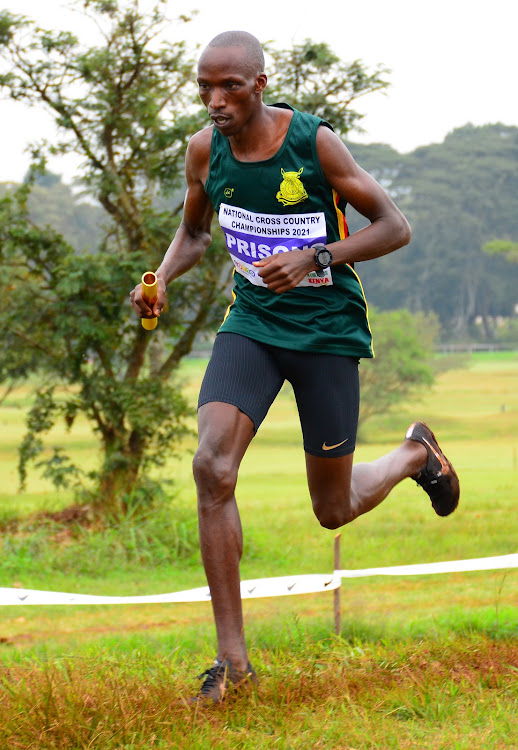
291	189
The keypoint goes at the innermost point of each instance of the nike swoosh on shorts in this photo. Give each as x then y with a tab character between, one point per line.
330	447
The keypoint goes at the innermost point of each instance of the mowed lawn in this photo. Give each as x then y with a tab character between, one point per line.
428	661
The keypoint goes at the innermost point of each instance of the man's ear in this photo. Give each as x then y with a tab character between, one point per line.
260	83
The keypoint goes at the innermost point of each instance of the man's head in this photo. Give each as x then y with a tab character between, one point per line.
231	79
253	57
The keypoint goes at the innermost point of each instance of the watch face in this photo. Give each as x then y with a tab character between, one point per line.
324	257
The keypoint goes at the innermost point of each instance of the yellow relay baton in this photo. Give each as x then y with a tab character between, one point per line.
149	292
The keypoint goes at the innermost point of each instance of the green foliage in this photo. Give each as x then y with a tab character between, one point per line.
128	107
67	316
312	78
402	367
458	195
507	248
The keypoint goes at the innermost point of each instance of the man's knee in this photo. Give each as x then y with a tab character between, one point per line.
332	509
215	476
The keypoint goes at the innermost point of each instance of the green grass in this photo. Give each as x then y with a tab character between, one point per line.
458	693
428	661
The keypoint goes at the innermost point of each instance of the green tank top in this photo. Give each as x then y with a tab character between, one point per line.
284	204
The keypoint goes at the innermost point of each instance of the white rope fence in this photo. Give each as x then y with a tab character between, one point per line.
262	587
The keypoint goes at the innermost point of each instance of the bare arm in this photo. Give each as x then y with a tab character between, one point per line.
387	231
193	235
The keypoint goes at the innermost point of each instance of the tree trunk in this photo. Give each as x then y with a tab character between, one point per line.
119	476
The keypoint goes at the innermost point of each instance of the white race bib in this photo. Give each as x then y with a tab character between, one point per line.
251	236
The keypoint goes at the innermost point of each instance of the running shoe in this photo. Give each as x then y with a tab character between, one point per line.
218	678
438	478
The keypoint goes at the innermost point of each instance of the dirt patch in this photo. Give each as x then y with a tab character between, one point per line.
73	514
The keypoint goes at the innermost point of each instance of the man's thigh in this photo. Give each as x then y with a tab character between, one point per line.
243	373
327	392
329	483
224	434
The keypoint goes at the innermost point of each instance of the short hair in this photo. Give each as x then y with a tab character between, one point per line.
251	45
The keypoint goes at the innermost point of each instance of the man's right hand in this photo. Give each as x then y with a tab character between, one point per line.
142	308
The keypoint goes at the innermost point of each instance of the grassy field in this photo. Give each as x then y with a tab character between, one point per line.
429	661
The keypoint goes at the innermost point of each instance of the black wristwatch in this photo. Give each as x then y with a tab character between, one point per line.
323	257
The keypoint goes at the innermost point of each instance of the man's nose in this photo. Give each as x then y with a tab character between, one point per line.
217	99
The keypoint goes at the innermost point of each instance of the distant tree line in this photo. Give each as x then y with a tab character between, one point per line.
460	197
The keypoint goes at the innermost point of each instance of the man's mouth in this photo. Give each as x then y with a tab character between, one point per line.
219	119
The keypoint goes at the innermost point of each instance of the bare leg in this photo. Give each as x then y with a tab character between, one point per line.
340	492
224	435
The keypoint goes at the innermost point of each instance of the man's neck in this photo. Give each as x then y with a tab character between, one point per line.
262	136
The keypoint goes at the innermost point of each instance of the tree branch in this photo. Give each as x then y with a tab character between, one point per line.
7	391
33	344
136	358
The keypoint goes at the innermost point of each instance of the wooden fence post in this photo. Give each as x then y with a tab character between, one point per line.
338	611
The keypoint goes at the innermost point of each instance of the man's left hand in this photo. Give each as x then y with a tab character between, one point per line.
283	271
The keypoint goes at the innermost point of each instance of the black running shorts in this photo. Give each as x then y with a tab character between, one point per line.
249	375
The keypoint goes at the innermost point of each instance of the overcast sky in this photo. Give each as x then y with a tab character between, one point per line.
452	61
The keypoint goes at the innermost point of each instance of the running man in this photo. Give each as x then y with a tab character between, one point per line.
279	181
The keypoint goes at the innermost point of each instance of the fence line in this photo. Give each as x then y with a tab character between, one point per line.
261	587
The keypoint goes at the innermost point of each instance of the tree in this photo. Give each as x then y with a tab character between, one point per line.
457	195
127	107
402	367
313	79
